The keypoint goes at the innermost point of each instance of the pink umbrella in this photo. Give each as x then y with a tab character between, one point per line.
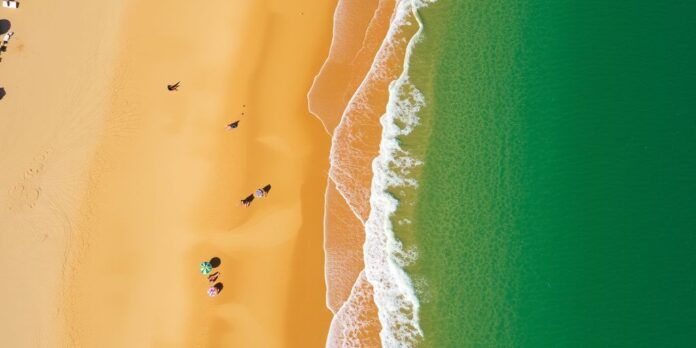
212	291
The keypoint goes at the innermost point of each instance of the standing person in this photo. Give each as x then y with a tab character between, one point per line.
174	87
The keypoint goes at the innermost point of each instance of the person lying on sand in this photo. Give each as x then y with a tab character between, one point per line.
233	125
174	87
262	192
247	201
213	277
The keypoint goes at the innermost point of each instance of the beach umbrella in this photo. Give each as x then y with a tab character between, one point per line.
212	291
206	267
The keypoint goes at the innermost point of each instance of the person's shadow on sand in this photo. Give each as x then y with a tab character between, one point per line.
5	26
215	262
218	286
2	93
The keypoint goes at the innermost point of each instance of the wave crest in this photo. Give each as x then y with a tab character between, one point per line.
385	256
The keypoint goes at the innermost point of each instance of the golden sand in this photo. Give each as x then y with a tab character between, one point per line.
116	189
56	73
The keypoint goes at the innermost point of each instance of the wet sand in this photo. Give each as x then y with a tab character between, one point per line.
138	184
350	95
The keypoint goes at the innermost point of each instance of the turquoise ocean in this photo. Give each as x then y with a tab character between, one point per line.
556	196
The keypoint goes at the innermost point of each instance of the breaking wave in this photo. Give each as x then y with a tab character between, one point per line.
385	256
383	283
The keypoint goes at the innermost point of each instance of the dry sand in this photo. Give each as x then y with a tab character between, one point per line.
114	189
56	75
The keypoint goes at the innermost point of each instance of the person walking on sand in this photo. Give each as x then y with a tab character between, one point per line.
174	87
232	125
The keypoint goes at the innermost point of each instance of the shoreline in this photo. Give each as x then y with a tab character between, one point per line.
365	288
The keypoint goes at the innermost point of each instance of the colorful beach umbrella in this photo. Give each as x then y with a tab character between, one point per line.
206	267
212	291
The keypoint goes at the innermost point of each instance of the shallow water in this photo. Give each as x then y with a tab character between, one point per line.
555	203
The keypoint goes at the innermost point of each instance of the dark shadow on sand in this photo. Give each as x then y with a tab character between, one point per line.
215	262
5	26
218	286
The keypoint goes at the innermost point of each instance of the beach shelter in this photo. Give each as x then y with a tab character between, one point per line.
10	4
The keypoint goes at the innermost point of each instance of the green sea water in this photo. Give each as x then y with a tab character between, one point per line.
557	201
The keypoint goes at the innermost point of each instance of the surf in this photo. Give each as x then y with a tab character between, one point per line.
362	177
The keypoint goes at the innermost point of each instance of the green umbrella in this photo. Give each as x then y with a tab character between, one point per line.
206	267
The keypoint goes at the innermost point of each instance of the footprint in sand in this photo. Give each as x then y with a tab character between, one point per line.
26	193
22	196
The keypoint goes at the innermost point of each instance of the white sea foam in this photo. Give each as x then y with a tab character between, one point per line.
341	171
353	326
385	257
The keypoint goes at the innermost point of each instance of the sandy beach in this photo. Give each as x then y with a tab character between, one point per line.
116	189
